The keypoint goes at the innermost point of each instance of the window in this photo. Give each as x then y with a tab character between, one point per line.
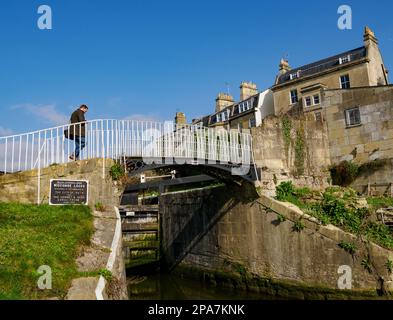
225	115
352	117
345	82
308	101
245	106
316	99
345	59
293	76
252	123
218	117
293	96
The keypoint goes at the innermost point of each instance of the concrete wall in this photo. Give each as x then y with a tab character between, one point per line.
279	154
23	187
211	228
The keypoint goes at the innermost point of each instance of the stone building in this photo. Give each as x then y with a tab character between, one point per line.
299	89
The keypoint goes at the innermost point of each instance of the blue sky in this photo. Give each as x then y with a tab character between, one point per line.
147	59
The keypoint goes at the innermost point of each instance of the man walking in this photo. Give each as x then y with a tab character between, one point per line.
78	130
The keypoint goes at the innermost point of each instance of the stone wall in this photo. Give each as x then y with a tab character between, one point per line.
210	229
23	187
371	140
287	148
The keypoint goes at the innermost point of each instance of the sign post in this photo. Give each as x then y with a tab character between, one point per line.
63	192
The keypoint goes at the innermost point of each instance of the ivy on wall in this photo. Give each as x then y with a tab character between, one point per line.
300	151
299	143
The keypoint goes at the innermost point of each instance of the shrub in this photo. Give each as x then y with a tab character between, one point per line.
117	171
281	218
284	189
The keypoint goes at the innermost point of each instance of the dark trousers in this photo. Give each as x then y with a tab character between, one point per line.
80	143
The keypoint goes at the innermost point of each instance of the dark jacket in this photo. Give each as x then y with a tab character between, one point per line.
79	129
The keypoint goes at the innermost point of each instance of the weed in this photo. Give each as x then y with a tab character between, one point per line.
99	207
108	276
117	171
348	247
367	265
298	226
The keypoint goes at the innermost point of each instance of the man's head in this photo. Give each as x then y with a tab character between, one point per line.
84	108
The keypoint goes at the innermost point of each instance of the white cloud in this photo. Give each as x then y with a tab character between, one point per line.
48	113
144	117
5	132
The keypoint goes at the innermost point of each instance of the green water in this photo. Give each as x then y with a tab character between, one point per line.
162	286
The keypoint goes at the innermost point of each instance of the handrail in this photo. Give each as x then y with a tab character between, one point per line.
119	139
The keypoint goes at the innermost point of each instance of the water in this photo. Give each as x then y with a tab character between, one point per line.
164	286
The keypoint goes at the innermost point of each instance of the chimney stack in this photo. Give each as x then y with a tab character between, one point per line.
223	100
369	37
247	89
180	118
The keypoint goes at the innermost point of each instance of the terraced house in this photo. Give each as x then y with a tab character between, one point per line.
249	112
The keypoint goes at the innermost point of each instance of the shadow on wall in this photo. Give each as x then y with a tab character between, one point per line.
182	233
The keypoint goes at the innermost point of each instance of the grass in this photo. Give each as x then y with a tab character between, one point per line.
380	202
32	236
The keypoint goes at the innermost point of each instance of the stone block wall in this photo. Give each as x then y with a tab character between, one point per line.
207	229
371	140
23	187
288	148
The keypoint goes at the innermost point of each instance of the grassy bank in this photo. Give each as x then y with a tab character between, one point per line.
32	236
342	208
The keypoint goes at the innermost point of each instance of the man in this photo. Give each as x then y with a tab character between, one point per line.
78	131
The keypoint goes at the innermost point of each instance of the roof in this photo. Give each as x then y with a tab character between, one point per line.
323	65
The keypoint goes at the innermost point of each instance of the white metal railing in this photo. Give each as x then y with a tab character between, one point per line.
116	139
